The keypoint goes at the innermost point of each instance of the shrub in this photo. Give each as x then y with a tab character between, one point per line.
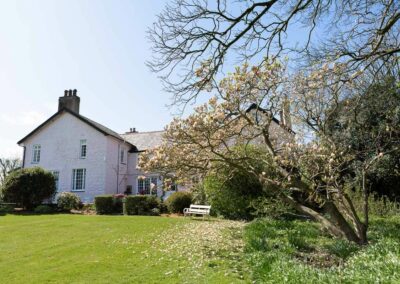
236	194
163	208
377	205
43	209
67	201
28	187
234	197
104	204
141	204
179	200
155	212
6	208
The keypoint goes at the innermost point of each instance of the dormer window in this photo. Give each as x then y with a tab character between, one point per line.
36	154
83	149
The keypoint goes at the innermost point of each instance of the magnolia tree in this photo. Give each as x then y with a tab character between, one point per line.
310	175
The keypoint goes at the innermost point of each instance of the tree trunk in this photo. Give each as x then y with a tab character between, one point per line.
337	217
335	231
336	225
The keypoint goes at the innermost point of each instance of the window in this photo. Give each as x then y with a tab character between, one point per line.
36	154
78	179
56	175
147	186
83	149
122	156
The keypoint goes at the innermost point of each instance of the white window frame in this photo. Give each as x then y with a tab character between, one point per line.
122	157
36	151
75	181
56	175
144	185
83	145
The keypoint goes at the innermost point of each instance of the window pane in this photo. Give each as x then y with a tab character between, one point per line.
36	154
83	148
79	179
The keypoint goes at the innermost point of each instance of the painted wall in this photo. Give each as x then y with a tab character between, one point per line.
116	171
60	151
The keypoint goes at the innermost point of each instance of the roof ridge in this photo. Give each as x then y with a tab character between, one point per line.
142	132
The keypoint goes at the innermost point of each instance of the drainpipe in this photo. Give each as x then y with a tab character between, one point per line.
119	149
23	157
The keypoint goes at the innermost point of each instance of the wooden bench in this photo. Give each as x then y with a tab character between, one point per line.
194	209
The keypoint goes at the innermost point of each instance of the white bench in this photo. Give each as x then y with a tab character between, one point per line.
197	210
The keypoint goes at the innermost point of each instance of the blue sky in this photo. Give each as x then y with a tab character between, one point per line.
97	47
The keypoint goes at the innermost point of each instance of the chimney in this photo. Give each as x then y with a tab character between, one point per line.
285	114
131	130
70	101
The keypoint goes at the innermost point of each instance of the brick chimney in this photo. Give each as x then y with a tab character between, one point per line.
70	101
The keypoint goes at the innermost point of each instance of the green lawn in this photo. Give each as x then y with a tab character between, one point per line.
138	249
119	249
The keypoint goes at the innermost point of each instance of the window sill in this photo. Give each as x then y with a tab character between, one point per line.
78	190
35	163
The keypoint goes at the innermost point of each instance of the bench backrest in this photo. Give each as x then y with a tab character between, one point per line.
200	208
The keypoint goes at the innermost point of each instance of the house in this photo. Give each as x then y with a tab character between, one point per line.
88	158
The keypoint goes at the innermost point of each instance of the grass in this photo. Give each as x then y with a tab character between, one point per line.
118	249
139	249
298	252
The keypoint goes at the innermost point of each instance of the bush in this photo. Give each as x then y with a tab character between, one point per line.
235	197
104	204
43	209
6	208
118	200
155	212
28	187
235	194
141	204
163	208
67	201
178	201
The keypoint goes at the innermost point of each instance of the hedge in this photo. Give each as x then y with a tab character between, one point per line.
104	204
141	205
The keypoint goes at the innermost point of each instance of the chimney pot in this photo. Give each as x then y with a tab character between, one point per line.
74	92
65	93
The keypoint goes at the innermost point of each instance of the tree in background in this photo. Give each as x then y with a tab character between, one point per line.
369	125
7	165
28	187
188	33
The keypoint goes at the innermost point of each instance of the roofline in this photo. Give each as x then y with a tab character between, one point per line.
75	115
142	132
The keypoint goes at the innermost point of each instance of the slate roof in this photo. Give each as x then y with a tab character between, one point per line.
99	127
144	140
